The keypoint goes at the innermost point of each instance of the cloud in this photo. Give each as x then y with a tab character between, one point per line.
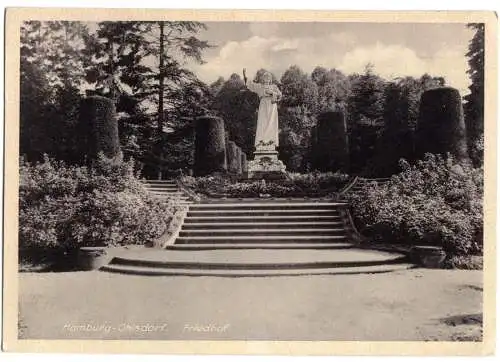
333	50
274	53
392	61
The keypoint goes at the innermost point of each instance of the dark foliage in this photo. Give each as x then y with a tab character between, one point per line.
98	127
441	127
474	106
332	147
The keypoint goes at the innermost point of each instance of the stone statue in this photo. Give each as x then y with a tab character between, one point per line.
266	136
265	163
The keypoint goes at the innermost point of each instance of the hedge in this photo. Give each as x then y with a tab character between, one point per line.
441	125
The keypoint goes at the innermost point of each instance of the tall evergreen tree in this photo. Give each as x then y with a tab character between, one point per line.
474	102
51	69
365	116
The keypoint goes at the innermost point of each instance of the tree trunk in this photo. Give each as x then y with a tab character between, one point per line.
161	75
160	93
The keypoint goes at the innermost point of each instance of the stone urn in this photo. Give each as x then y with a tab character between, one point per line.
93	257
428	256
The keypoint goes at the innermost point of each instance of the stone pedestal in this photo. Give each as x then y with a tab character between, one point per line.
266	165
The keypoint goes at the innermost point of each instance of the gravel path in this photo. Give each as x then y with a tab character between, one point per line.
416	304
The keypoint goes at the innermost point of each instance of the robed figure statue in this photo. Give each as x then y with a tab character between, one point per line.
266	136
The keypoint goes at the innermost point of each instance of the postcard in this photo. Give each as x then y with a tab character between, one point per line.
250	182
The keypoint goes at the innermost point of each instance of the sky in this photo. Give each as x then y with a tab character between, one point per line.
395	49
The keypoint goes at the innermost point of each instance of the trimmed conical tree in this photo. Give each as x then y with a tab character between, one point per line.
331	147
210	146
233	158
441	126
98	128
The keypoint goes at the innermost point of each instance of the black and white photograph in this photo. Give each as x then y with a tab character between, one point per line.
218	178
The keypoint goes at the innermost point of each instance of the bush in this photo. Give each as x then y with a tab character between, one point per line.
66	207
210	146
435	202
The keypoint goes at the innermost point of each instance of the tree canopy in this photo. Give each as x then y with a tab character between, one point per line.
144	66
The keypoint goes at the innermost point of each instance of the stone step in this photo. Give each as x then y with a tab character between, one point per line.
189	225
135	270
170	196
246	239
255	259
264	218
265	232
268	205
161	192
159	189
270	200
264	246
161	186
270	212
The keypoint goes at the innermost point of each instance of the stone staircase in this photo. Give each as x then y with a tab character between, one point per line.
254	262
167	189
236	238
263	225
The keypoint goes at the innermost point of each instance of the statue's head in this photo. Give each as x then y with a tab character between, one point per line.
267	78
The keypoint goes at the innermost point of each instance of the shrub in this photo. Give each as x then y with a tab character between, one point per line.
434	202
331	150
98	127
441	125
65	207
210	146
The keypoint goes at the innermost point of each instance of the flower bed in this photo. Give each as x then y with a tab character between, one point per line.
298	185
